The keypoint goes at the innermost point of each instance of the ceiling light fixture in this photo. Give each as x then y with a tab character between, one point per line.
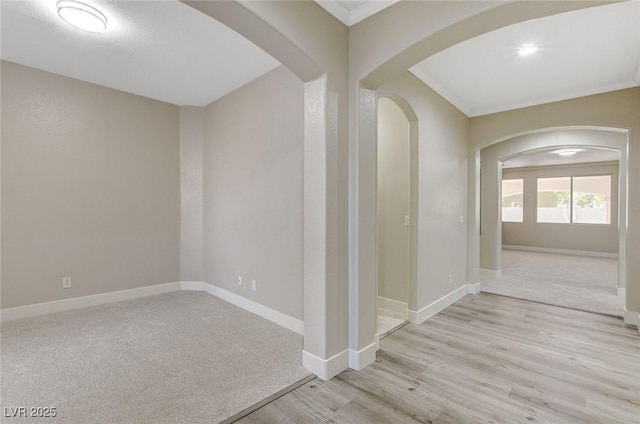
527	49
567	152
82	15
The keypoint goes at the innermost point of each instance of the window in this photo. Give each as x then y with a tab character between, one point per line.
577	200
592	200
554	200
512	200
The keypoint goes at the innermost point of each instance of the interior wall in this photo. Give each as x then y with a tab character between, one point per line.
90	188
617	110
322	39
393	201
191	193
442	189
602	238
253	180
314	46
403	35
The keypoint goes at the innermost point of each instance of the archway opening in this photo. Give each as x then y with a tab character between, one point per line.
553	218
393	216
396	212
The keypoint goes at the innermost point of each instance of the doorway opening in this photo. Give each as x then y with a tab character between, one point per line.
559	210
393	216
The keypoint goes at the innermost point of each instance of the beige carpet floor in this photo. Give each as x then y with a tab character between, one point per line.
578	282
183	357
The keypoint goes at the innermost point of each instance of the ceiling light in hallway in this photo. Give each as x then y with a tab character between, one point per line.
82	15
567	152
527	49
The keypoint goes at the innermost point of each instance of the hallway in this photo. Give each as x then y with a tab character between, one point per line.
484	359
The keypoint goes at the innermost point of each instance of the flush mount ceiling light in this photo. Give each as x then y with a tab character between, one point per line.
527	49
81	15
567	152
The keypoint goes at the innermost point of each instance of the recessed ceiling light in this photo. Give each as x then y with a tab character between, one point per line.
527	49
81	15
567	152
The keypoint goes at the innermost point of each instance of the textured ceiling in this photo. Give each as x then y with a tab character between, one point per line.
583	52
164	50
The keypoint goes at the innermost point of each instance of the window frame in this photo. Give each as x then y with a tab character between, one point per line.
571	177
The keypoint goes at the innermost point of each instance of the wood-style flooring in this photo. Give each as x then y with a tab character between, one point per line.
485	359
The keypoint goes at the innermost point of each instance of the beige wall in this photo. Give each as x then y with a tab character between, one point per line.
583	237
442	189
382	48
314	45
402	37
393	202
191	193
90	188
252	181
617	109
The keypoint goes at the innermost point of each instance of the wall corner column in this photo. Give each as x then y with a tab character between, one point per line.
192	138
490	222
363	279
323	354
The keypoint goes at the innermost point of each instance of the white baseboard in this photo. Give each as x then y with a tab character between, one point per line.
39	309
561	251
632	318
474	288
418	317
490	274
45	308
393	305
192	285
358	359
326	368
348	358
265	312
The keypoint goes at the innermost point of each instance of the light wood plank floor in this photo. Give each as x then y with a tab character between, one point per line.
486	359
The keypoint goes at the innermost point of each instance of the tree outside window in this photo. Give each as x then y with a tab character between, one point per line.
578	200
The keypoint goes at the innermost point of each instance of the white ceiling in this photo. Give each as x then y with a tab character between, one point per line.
583	52
168	51
351	12
164	50
547	157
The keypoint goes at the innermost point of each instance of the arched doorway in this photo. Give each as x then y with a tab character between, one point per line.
584	239
396	212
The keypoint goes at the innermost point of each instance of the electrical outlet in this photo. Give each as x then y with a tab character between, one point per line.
450	278
254	285
461	221
66	283
239	280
